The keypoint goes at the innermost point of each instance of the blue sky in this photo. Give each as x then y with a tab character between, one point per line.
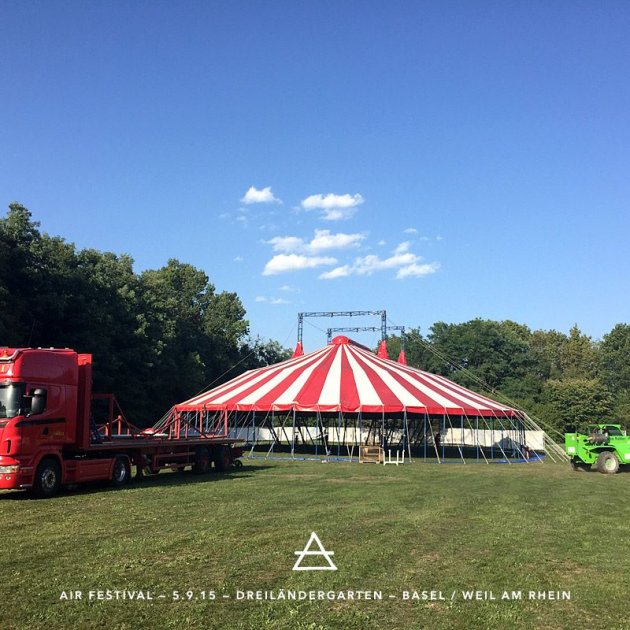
440	160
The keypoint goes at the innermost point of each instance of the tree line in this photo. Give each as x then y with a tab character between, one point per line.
560	379
160	336
157	337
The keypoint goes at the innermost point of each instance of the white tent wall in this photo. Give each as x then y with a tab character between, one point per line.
535	440
487	438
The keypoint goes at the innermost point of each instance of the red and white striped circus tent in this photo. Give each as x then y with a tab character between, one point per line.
345	377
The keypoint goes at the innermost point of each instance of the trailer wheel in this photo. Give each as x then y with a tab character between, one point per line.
223	459
121	474
202	461
607	463
47	479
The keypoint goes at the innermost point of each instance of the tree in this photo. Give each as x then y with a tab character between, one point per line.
417	351
546	347
259	353
577	401
614	360
17	266
578	356
490	352
156	338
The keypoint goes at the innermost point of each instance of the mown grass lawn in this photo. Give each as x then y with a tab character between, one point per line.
421	527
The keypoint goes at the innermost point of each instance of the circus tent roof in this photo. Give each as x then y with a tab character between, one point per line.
344	377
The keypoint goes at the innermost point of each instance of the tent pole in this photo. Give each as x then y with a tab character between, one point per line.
408	438
502	435
404	424
459	448
251	451
360	433
383	429
339	434
425	419
477	435
293	437
443	429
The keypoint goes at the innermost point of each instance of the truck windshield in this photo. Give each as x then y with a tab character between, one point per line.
10	400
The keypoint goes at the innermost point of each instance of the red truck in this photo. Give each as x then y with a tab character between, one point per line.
50	437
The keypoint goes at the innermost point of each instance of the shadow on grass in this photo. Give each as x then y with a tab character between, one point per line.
165	480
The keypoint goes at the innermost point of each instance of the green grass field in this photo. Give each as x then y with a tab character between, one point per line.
421	527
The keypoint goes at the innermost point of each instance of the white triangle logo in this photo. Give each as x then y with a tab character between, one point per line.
307	552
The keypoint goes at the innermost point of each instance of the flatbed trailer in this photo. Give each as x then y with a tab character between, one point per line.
50	437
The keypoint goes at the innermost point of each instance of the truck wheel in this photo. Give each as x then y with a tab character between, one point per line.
223	459
121	472
202	461
47	479
607	463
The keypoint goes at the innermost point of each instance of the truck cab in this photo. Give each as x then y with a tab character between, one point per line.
42	404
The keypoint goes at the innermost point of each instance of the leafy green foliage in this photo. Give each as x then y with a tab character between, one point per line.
556	377
157	337
613	359
577	401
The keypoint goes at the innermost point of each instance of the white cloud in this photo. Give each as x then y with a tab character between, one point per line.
322	241
333	207
382	242
368	265
284	263
416	271
337	272
287	244
402	248
238	259
410	231
403	260
271	300
253	195
439	238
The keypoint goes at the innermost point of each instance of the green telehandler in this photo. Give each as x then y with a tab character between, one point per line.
604	447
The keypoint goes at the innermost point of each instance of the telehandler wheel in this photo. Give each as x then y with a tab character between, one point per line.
607	463
47	479
121	473
202	461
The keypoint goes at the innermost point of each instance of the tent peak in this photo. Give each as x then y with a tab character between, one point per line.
342	340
